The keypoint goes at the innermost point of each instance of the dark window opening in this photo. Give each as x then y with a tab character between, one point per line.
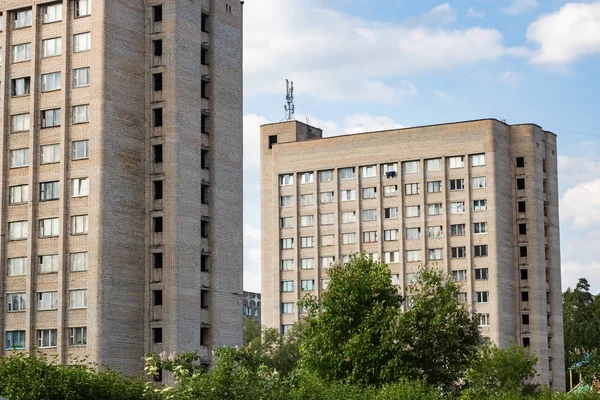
158	224
204	263
157	335
526	342
204	336
157	81
521	184
521	205
159	376
158	298
272	141
522	229
544	163
204	128
204	23
158	190
525	319
204	56
524	296
204	89
158	153
204	159
524	274
158	117
158	47
157	260
520	162
204	194
204	298
204	229
523	251
157	13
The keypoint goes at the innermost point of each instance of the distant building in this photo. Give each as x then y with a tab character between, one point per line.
478	198
252	305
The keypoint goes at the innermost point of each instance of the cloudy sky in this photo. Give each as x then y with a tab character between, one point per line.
363	65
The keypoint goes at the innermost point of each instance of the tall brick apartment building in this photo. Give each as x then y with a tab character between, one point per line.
121	201
479	198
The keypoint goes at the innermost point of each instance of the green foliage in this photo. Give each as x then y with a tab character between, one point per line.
252	331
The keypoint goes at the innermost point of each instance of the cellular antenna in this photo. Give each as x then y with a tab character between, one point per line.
289	97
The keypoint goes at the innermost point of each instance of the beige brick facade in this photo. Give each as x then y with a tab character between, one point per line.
179	289
445	194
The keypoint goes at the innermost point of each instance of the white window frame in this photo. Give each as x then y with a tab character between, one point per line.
306	199
286	180
478	250
391	257
434	209
82	42
79	261
48	224
17	266
307	220
21	52
47	301
410	167
435	232
81	77
412	211
287	286
327	219
459	275
326	176
78	336
391	235
78	298
81	150
434	187
458	230
326	197
390	191
349	238
369	215
456	162
52	13
51	47
307	242
21	86
457	207
51	118
50	154
478	183
307	285
482	297
434	164
81	114
20	122
327	240
436	254
412	189
287	308
306	178
286	222
79	224
48	264
82	8
456	185
283	201
413	233
348	195
369	236
480	205
348	217
390	213
16	302
18	230
47	338
51	81
459	252
369	193
480	228
369	171
22	19
327	261
49	190
413	255
481	274
80	187
346	173
307	263
286	243
484	320
477	160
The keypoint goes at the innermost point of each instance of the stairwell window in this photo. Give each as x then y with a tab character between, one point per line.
79	225
82	42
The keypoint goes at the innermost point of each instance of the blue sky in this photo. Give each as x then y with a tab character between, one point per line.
361	65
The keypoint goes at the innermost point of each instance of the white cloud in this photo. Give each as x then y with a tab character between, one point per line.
571	272
442	95
442	14
576	170
580	205
336	56
252	261
473	13
509	77
521	6
567	34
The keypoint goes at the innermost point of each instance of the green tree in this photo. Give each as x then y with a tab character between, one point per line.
252	330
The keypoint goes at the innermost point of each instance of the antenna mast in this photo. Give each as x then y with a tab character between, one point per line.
289	97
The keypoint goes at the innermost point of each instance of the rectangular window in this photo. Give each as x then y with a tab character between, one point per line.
413	233
157	118
481	274
521	184
17	230
47	338
285	201
157	149
51	47
478	160
390	191
286	180
20	87
369	193
81	77
78	336
480	228
369	215
459	252
307	285
390	235
48	227
81	150
479	205
434	232
457	207
22	19
82	42
348	195
521	206
307	263
346	173
480	251
326	219
15	340
369	237
307	242
457	230
52	13
525	319
17	266
456	162
20	122
47	301
287	308
369	171
306	200
287	286
327	240
522	229
484	320
457	184
157	82
478	183
49	190
461	298
80	187
78	298
79	261
481	297
48	264
460	275
434	187
413	255
15	302
306	177
349	238
326	197
390	169
51	118
391	213
21	52
348	217
412	211
83	8
391	257
327	261
81	114
287	265
412	188
79	225
410	167
307	220
286	222
523	251
434	209
435	164
520	162
50	154
435	254
326	176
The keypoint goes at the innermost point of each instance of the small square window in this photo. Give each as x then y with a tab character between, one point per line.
520	162
521	184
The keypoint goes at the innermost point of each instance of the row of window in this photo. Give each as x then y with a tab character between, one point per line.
49	118
15	340
48	227
389	170
16	302
51	13
19	194
49	154
50	48
47	264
